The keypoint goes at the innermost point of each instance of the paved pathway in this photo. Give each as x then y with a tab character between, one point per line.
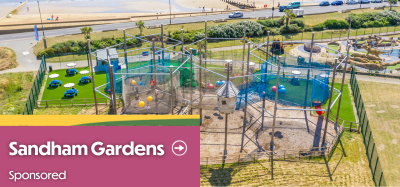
25	57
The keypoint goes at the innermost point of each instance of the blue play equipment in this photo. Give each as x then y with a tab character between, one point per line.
55	83
85	79
281	89
219	83
71	93
71	71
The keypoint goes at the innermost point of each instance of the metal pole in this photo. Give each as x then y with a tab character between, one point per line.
170	12
348	35
162	43
271	146
341	88
155	74
329	106
226	129
308	71
126	55
244	47
205	52
172	91
191	81
91	71
201	85
40	14
245	99
112	84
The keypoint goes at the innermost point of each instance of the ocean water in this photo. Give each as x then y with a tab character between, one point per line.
88	3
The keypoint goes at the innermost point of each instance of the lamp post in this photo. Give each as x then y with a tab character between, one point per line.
44	38
170	12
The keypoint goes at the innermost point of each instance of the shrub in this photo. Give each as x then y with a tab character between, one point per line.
298	22
272	31
318	27
45	52
292	28
235	30
270	23
307	28
336	24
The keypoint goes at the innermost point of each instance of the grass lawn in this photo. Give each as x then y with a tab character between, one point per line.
393	67
382	105
352	170
85	90
14	91
8	58
346	108
334	47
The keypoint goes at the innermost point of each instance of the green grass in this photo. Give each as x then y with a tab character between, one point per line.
14	91
334	47
346	108
85	90
393	67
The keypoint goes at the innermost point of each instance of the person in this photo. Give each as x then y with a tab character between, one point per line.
152	83
73	87
147	107
137	98
273	8
279	4
231	68
373	43
227	8
27	9
57	18
67	71
212	9
204	8
52	17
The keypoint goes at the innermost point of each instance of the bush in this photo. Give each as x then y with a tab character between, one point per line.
318	27
235	30
272	31
307	28
336	24
270	23
298	22
292	28
45	52
386	17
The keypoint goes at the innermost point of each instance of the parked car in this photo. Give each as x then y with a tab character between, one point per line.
351	2
337	3
363	1
324	3
294	5
282	8
376	1
236	15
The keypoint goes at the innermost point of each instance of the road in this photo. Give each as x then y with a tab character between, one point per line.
262	13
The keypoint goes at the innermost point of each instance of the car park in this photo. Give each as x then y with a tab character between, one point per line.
351	2
337	3
236	15
324	3
363	1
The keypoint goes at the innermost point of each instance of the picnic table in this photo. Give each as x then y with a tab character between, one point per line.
55	83
71	93
85	79
71	71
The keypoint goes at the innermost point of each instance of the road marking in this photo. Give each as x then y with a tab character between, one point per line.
25	53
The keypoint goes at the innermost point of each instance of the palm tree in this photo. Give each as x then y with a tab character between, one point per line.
86	31
289	15
140	25
392	2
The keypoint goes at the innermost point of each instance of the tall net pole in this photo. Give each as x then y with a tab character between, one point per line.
329	106
155	75
341	88
271	146
200	86
172	91
112	84
91	71
126	54
205	52
244	47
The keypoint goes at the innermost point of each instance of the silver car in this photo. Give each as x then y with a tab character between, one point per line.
236	15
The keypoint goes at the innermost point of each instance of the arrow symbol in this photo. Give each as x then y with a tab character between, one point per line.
179	148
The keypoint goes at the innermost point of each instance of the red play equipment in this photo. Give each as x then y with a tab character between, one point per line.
233	78
319	108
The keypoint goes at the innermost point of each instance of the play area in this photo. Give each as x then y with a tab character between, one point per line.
269	100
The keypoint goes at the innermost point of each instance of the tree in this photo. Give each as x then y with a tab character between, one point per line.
86	31
140	25
392	2
289	15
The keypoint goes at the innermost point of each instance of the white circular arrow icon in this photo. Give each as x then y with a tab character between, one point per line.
179	147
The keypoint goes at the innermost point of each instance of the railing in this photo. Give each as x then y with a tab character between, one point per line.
71	102
370	147
35	90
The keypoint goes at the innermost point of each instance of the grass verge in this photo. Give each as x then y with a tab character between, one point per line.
8	58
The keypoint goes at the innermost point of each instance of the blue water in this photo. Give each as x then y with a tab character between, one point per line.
119	8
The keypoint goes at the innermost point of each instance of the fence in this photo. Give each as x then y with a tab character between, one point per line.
57	59
35	90
370	147
73	102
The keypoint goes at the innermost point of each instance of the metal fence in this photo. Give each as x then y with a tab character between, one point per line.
35	90
370	147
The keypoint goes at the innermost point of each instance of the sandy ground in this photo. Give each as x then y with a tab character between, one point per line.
5	9
292	132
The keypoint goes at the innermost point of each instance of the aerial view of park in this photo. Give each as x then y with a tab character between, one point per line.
288	93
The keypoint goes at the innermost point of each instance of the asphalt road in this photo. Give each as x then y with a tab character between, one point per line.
263	13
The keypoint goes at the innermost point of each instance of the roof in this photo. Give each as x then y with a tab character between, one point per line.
102	54
228	90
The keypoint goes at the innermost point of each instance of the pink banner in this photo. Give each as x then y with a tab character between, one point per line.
146	156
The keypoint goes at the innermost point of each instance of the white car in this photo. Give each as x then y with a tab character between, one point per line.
236	15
